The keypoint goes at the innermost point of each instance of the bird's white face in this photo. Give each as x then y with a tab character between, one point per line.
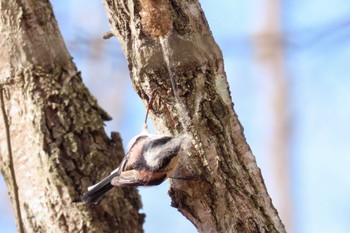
162	156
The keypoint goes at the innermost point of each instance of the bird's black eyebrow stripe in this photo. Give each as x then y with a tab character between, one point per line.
152	144
160	141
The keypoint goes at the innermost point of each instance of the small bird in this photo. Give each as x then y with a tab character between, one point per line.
150	159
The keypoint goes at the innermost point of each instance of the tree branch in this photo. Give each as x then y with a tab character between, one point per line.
59	146
231	195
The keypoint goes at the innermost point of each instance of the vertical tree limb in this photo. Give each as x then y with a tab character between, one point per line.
59	146
231	195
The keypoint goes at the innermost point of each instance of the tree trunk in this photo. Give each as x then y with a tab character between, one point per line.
230	195
52	141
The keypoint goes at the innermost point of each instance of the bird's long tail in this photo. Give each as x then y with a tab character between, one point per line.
96	191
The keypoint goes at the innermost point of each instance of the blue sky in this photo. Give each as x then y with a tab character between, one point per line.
317	59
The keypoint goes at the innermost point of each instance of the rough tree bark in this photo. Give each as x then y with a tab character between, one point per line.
230	195
52	141
56	131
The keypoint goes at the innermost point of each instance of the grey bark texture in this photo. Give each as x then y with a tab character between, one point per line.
230	194
55	131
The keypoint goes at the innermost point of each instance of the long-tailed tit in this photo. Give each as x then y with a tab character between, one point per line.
150	159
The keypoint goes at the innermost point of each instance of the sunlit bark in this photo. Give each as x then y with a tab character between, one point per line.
55	129
230	195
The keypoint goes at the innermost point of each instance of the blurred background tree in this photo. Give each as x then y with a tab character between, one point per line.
288	65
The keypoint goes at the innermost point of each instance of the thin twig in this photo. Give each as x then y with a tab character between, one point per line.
12	169
153	95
